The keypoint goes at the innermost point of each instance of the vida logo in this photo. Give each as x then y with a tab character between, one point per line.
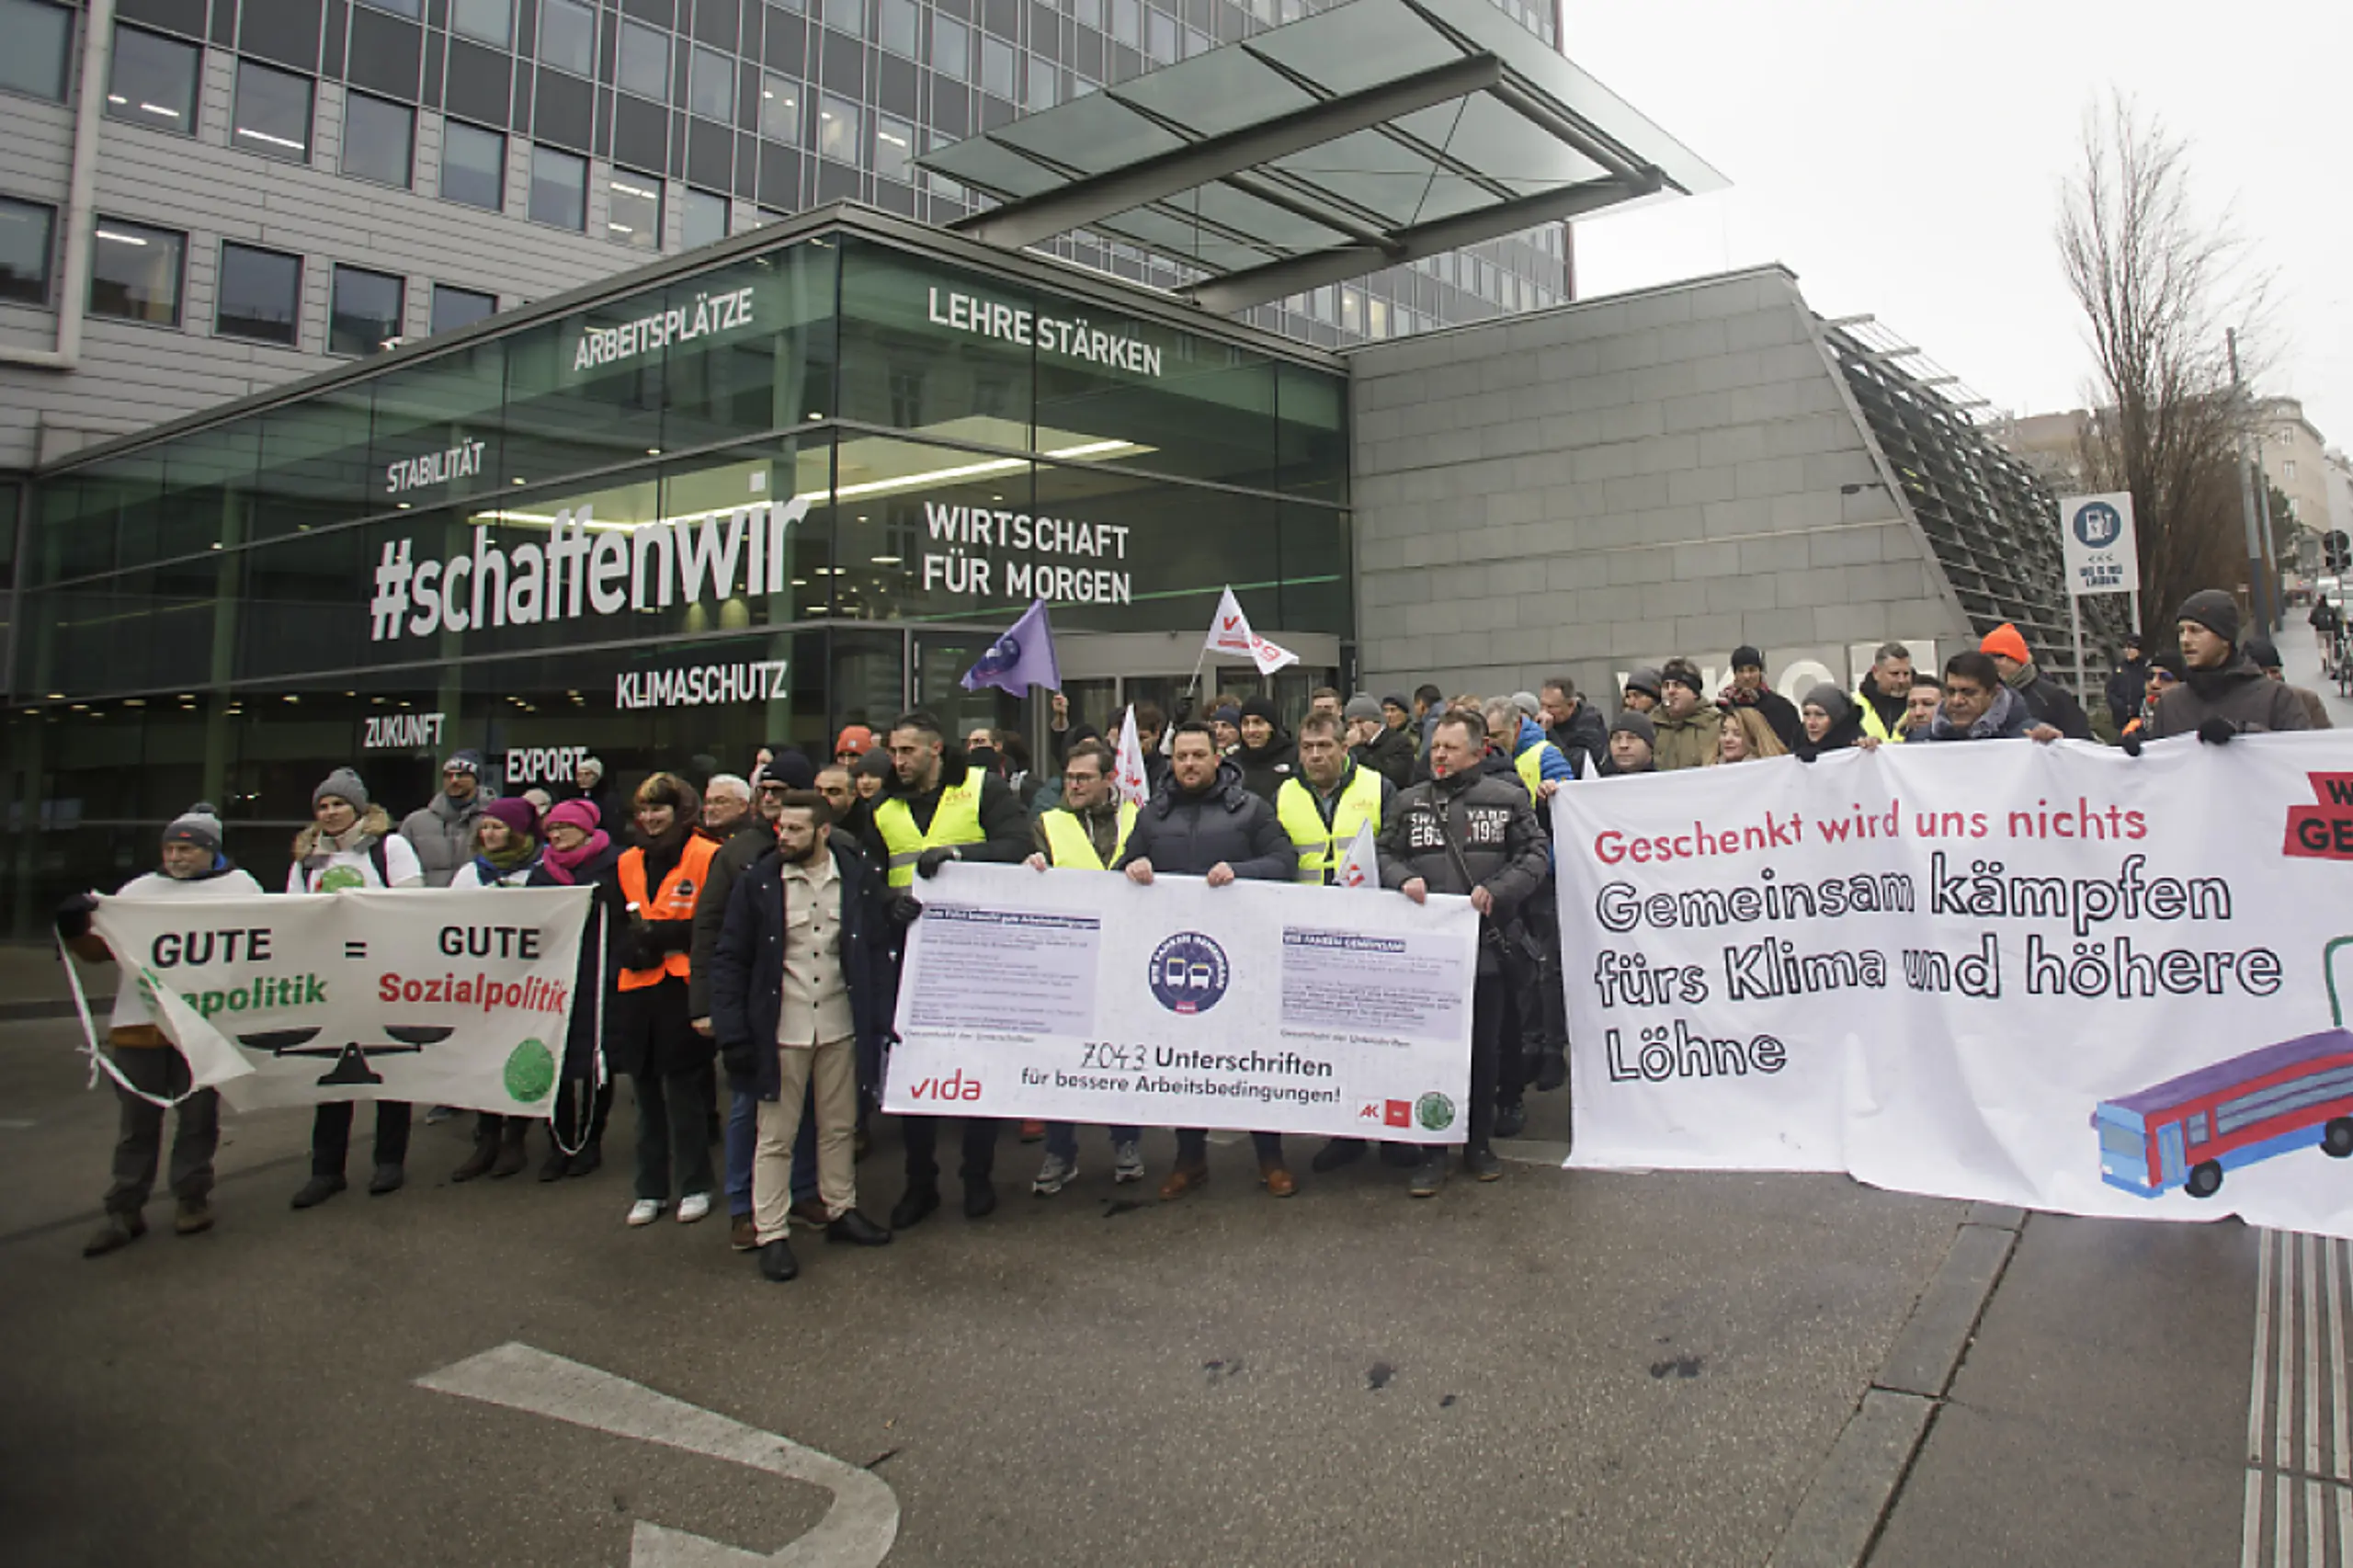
955	1086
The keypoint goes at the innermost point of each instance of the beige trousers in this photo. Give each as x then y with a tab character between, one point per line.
833	1067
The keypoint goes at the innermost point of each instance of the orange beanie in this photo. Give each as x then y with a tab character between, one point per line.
2004	640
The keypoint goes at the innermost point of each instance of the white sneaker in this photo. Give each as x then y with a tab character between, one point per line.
693	1207
645	1211
1127	1161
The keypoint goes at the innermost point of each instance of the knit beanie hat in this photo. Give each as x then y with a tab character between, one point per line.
578	813
1683	673
1362	706
1229	715
1831	699
518	815
344	784
464	762
791	768
199	825
1260	708
2264	652
1397	699
1527	704
1642	677
1747	658
1638	725
591	767
2214	610
876	764
2005	641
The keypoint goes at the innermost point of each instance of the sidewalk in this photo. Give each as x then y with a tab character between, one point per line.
2300	658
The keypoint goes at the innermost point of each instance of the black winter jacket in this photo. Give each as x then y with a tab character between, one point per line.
747	965
2239	694
1263	770
751	838
1504	848
1184	834
1584	740
1389	753
2047	702
600	966
2128	688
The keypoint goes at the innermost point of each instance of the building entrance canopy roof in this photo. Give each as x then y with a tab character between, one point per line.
1362	137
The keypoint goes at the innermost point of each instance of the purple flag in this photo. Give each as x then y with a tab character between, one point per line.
1020	659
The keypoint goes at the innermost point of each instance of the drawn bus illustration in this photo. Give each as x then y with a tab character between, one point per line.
2187	1131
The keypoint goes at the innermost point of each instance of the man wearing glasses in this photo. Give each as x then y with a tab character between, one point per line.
442	831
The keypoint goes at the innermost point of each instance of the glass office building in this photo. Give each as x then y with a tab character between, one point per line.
795	482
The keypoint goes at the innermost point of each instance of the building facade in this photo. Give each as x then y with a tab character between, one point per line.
278	186
750	495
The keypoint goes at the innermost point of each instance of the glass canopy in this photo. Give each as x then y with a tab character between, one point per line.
1374	133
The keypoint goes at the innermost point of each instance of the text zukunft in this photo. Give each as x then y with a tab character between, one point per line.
582	570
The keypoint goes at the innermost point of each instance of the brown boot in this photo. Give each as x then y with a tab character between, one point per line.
1182	1180
1277	1181
511	1156
195	1216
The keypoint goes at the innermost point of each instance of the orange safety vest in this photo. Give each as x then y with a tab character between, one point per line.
674	901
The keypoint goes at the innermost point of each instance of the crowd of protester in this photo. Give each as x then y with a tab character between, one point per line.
751	925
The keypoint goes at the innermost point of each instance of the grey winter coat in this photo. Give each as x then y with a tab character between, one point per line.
442	833
1504	847
1184	834
2239	694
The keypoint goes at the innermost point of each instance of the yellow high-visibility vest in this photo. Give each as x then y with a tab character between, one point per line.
1321	847
1069	846
956	821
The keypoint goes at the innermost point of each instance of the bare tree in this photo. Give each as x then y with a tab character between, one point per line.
2158	287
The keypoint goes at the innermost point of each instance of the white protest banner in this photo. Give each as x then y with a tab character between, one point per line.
2055	976
1079	996
437	997
1230	633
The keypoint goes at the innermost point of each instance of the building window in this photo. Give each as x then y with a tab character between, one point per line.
837	129
378	140
568	36
951	47
634	217
260	295
135	272
1041	84
273	112
152	81
40	38
646	61
898	27
710	92
894	145
28	241
413	9
367	312
489	21
780	109
473	165
847	15
456	308
704	217
996	67
1162	37
559	189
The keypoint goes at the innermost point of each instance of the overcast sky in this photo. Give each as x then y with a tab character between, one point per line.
1905	158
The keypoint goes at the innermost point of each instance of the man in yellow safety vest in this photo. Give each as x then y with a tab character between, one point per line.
935	808
1086	832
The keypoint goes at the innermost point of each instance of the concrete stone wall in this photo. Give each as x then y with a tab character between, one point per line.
1602	485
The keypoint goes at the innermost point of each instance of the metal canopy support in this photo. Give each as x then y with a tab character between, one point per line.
1028	221
1239	291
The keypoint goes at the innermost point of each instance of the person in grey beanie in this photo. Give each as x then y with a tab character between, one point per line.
2225	694
192	868
1375	744
1832	722
1631	739
1641	690
442	831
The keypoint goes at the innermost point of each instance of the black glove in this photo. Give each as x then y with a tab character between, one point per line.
741	1061
74	917
905	909
2132	743
928	864
1806	756
2216	731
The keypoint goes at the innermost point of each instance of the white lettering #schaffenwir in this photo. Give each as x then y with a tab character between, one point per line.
1264	1006
583	569
2054	976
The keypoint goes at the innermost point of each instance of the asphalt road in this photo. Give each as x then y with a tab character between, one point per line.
1559	1368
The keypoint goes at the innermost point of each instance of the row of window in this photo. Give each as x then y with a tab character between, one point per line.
140	273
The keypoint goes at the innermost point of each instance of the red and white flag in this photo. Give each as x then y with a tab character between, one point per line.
1132	782
1360	866
1231	633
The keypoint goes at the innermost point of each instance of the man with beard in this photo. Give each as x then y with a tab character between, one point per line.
2225	694
1202	822
1882	702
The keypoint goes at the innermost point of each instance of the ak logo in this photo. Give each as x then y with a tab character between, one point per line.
1189	973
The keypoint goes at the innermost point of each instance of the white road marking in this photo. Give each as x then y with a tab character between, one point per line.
17	1124
2300	1351
856	1531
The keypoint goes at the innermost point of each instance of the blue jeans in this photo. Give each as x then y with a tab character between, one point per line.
1062	1137
743	1136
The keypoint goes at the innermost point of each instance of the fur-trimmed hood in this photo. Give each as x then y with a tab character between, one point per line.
374	823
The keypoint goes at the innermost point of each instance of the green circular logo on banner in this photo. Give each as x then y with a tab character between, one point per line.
335	879
530	1072
1435	1111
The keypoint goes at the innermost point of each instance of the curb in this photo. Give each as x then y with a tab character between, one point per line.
1839	1517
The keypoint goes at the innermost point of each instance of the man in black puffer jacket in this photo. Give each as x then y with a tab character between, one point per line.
1484	821
1202	822
2225	694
